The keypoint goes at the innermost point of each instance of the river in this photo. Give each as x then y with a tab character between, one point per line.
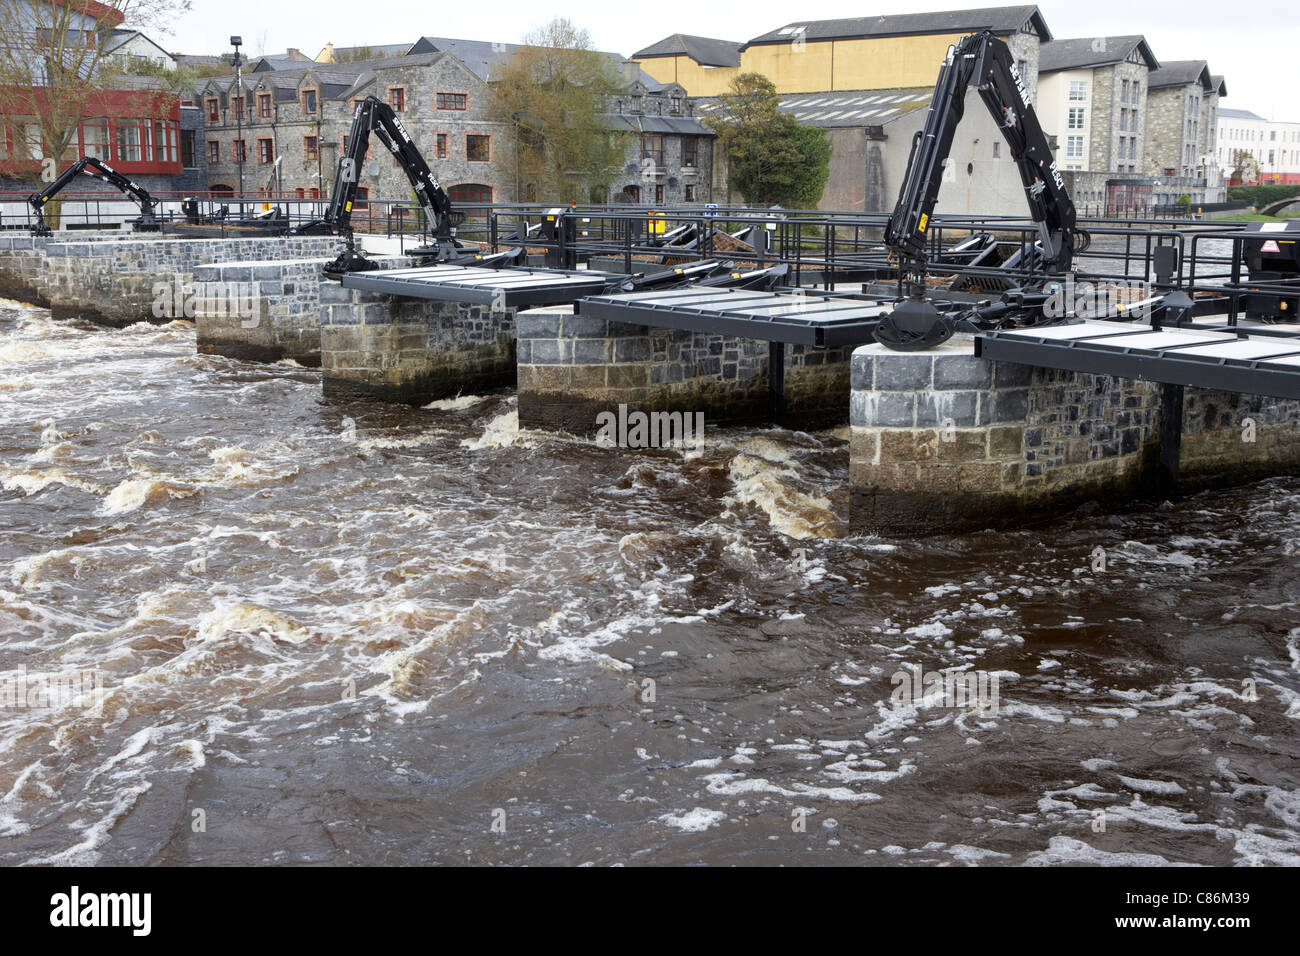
321	631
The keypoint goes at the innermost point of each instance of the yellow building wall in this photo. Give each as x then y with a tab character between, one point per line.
877	63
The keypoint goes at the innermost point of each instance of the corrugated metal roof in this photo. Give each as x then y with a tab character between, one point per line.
999	20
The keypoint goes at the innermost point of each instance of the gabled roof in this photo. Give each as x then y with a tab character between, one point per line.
1089	52
1241	114
120	38
705	51
1181	73
479	55
1218	83
1002	21
262	64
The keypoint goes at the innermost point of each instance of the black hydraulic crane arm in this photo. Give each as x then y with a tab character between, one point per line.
375	116
983	61
98	169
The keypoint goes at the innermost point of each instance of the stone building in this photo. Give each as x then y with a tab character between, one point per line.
300	116
868	81
1092	96
1182	126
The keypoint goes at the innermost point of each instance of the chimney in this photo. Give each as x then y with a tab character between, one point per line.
631	71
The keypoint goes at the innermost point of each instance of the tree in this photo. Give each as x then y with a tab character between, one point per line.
1245	167
771	159
53	69
552	95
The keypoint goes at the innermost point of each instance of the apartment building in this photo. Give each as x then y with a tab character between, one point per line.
1182	126
1092	95
1274	146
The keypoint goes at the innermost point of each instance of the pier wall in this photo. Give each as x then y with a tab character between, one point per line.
412	350
574	367
22	263
113	282
285	320
944	441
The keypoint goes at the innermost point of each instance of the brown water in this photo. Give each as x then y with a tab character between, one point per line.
371	647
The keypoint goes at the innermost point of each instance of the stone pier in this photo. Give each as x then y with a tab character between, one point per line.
285	294
573	367
944	441
111	277
412	350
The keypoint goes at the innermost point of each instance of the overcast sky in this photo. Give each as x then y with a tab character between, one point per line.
1254	44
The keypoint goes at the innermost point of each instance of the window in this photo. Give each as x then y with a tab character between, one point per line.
675	105
128	142
997	149
299	193
214	151
1076	117
264	105
214	109
309	101
470	192
440	145
1022	67
310	148
397	98
690	151
94	137
690	194
265	152
451	101
652	147
659	194
476	148
239	150
189	158
1074	147
1078	91
237	107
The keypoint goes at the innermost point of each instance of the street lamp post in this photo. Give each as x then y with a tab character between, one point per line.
237	61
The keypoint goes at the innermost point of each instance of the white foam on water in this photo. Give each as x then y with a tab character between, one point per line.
694	821
457	404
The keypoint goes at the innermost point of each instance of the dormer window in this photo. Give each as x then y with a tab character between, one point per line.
309	102
675	105
636	103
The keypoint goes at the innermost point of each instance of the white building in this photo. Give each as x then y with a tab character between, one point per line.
1275	145
131	48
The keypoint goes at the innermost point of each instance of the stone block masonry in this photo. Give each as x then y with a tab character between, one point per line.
286	299
22	263
412	350
573	367
112	282
943	441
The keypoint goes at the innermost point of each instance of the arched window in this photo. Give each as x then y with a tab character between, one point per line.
221	191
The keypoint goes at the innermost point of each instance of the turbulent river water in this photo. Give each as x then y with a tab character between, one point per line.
348	632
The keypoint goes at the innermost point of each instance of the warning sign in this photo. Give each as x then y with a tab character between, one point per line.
1270	246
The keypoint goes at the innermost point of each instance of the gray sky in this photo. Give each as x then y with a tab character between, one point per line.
1255	44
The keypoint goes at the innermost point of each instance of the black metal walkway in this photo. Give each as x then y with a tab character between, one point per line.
800	319
502	288
1256	364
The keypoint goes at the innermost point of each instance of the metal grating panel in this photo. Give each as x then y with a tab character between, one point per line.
817	320
1256	365
506	288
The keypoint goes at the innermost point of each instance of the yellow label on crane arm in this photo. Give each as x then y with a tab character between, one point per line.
925	221
348	207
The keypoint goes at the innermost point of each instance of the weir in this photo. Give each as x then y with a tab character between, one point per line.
989	429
